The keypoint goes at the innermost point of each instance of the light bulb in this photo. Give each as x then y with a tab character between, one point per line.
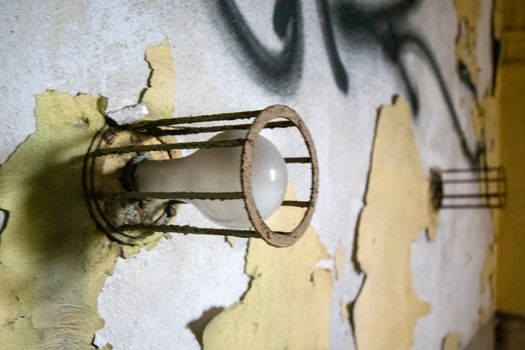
218	170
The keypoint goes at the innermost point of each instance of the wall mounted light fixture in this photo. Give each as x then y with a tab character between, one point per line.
471	188
134	176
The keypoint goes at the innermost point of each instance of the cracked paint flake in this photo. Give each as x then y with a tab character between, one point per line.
159	97
287	305
397	209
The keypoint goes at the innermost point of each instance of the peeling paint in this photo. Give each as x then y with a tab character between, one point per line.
468	12
397	209
287	305
452	341
53	258
159	96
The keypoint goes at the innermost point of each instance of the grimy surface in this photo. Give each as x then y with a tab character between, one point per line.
336	63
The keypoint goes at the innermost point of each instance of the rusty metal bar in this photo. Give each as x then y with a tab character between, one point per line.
216	128
471	170
168	147
191	120
471	195
187	229
297	160
479	180
471	206
300	204
173	195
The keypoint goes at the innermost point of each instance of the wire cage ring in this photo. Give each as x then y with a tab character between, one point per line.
276	238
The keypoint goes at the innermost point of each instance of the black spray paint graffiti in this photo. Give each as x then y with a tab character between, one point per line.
384	26
281	71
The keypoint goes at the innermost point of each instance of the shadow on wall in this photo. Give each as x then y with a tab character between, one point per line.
54	259
197	326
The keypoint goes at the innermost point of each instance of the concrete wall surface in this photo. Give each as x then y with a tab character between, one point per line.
336	63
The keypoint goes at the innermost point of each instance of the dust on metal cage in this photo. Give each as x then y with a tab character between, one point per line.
484	187
131	216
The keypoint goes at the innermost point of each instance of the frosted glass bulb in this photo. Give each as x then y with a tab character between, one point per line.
218	170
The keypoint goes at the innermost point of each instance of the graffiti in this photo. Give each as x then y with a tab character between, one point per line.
361	26
280	70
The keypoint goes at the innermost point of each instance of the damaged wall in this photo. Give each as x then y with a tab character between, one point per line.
336	63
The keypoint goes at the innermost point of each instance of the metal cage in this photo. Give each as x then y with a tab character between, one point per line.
133	217
468	188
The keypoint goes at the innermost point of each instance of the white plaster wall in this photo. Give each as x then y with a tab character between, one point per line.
98	47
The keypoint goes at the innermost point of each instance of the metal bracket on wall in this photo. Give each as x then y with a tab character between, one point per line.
468	188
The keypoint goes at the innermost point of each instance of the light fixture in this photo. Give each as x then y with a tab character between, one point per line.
472	188
134	176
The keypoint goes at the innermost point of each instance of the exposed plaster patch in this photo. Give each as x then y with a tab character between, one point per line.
129	114
269	315
339	260
54	259
397	208
452	341
159	96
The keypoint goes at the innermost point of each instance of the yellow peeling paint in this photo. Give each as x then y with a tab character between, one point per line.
468	14
288	303
485	118
452	341
159	98
486	126
53	259
397	210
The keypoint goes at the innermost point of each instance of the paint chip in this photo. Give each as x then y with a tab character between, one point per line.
159	97
54	263
398	208
266	317
452	341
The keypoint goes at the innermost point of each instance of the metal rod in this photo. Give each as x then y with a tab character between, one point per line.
216	128
186	229
191	120
472	195
297	160
452	181
174	195
300	204
472	170
470	206
169	146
